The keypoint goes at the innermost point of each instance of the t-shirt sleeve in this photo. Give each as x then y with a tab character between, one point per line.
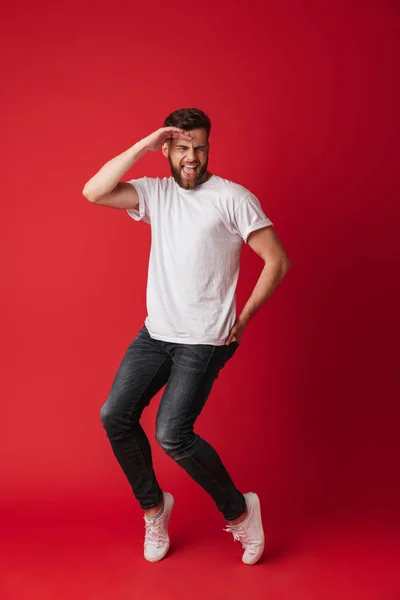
143	210
250	216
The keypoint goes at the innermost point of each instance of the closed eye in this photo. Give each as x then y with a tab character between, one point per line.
186	147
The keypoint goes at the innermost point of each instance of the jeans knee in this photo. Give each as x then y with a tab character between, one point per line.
116	422
166	439
174	446
105	416
162	437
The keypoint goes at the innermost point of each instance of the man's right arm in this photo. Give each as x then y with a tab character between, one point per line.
105	187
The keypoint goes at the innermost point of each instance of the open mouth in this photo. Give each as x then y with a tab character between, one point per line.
189	171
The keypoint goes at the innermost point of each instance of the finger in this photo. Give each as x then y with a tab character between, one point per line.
178	134
184	134
179	131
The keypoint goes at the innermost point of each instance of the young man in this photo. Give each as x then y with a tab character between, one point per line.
199	222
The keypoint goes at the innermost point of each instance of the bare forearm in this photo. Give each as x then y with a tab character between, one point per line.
105	180
271	276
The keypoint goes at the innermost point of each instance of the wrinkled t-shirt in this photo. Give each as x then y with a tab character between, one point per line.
196	239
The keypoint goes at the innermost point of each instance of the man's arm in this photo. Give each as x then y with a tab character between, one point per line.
105	187
266	244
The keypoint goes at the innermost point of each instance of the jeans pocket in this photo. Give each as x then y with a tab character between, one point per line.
230	351
226	354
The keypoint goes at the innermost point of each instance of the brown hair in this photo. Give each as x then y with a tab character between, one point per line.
187	119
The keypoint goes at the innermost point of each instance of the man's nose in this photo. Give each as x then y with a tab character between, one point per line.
191	154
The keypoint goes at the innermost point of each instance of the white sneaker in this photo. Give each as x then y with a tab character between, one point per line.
250	531
156	541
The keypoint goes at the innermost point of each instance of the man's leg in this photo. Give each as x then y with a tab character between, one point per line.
195	368
143	371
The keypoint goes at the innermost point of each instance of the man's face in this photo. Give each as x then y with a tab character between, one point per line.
183	155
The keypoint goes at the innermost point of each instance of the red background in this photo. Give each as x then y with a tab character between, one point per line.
304	108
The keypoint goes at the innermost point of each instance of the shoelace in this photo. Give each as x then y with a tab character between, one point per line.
154	534
241	535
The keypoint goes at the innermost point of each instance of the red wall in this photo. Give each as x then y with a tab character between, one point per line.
304	113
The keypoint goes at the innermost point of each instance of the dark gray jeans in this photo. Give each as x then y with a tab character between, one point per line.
189	371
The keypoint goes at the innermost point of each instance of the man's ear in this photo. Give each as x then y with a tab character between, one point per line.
164	149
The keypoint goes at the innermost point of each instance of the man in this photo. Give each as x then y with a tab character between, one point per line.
198	222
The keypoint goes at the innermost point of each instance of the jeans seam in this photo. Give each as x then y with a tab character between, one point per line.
194	392
143	459
205	471
209	475
184	415
133	408
147	385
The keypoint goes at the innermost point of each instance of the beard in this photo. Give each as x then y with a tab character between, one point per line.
188	184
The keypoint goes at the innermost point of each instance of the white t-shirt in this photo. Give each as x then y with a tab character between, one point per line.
196	239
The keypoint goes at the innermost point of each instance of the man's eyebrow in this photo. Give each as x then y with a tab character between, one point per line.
183	146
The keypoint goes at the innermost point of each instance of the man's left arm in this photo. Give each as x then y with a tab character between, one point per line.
266	244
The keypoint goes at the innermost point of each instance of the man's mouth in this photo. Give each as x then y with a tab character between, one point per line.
189	170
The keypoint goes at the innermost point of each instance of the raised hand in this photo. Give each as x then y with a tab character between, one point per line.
155	140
